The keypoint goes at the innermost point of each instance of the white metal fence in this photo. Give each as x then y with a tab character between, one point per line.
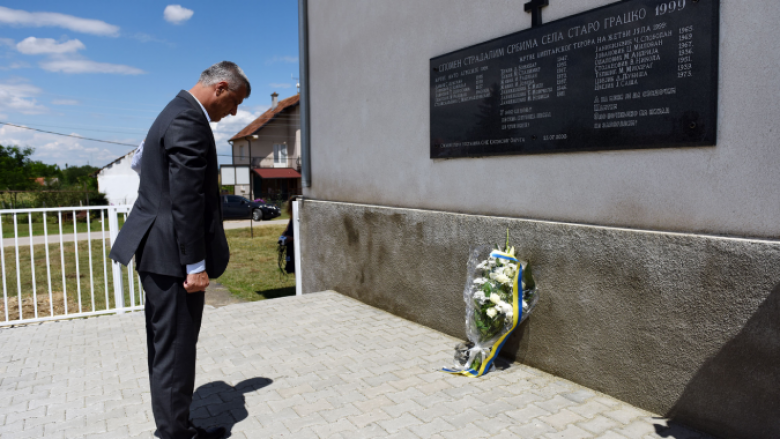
58	268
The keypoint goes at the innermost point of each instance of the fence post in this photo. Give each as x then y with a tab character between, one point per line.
116	267
297	247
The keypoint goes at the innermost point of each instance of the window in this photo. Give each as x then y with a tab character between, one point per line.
241	152
280	156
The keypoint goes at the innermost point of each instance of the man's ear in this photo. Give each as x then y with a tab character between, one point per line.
222	86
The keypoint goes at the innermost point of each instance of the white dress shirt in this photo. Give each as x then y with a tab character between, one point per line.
135	164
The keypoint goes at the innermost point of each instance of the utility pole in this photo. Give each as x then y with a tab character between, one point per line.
251	184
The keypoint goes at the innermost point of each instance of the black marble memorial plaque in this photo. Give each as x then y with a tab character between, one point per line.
634	74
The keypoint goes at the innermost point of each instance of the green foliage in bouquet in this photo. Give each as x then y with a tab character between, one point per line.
500	293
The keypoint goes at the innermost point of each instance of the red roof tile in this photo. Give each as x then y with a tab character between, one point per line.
283	105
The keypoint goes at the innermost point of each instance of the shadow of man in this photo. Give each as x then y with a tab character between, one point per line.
218	404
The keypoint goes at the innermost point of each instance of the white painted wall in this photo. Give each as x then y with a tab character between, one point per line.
119	182
370	119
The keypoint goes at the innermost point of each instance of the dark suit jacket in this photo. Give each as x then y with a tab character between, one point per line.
177	218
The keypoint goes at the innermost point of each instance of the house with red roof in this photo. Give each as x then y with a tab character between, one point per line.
271	146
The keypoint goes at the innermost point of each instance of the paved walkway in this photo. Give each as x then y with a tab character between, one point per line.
317	366
54	237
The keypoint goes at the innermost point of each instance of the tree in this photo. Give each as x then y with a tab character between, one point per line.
18	173
78	176
15	168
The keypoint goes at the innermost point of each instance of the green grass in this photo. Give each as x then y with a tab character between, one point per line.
53	227
20	200
72	281
253	273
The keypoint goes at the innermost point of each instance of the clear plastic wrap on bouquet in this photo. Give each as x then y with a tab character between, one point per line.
500	294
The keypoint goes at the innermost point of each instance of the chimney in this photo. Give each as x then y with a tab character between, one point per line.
274	100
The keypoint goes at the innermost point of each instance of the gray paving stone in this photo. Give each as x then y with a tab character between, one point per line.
599	424
532	429
531	411
496	424
469	431
319	366
463	419
625	414
396	424
570	432
429	428
562	419
590	409
368	418
345	412
637	429
579	396
396	410
612	435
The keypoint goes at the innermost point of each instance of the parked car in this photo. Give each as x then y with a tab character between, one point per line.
235	207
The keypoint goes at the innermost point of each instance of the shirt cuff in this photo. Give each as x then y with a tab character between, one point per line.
196	267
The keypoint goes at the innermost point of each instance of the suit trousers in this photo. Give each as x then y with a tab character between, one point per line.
173	319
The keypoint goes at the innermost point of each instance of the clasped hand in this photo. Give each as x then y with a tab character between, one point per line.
196	282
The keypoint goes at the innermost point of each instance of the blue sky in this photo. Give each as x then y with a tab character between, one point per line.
104	69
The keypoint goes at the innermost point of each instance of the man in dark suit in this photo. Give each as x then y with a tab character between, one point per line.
175	232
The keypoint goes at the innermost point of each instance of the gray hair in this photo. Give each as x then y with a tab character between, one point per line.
226	71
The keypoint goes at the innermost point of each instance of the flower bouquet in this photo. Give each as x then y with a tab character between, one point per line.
500	293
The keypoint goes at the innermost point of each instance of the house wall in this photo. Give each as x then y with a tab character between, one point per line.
652	263
119	182
285	128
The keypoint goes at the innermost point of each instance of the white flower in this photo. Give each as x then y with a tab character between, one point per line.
482	265
491	312
509	271
479	281
506	308
491	261
495	298
504	279
509	315
525	305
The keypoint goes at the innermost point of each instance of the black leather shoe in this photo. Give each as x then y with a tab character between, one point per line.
214	433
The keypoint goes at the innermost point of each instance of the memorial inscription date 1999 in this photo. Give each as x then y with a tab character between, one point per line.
634	74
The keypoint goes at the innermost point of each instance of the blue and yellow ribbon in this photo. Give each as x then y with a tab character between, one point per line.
517	310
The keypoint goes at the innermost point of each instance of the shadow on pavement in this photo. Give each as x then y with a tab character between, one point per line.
673	430
218	404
